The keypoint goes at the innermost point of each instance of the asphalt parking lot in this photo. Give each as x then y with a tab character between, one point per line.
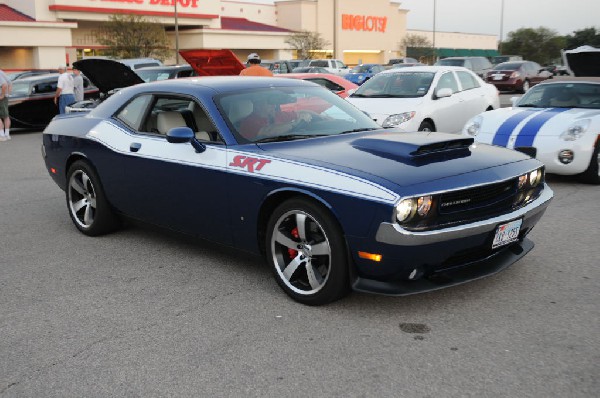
148	313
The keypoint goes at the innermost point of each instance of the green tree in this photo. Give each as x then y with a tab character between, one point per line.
587	36
416	46
541	45
307	44
131	36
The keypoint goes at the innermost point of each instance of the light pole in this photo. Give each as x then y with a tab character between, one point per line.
501	25
434	1
176	35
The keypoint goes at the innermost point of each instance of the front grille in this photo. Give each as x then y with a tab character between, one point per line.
476	198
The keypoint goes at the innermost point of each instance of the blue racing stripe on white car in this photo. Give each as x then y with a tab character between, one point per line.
506	129
533	126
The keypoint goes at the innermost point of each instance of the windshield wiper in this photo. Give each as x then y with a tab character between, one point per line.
288	137
360	129
529	106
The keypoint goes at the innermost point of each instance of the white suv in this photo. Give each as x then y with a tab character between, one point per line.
334	66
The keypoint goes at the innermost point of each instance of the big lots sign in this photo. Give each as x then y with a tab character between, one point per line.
183	3
363	22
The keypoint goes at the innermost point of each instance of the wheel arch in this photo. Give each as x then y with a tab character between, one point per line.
428	119
277	197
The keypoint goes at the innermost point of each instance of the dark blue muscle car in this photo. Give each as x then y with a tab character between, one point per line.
285	168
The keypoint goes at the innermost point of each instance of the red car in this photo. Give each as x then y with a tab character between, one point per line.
517	75
336	84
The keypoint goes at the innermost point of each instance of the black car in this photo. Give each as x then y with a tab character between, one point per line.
155	73
31	103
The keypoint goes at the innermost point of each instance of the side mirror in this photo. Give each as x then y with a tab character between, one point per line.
514	100
443	92
180	135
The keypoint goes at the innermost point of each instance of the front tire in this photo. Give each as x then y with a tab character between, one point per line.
307	252
88	208
426	126
525	88
592	174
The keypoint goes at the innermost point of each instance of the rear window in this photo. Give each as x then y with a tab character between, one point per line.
508	66
323	64
451	62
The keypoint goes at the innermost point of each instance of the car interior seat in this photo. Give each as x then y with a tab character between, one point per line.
204	128
168	120
564	97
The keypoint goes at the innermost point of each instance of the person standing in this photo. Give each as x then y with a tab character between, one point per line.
254	68
4	116
64	90
77	84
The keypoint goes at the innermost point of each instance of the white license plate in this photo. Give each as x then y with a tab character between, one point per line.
498	77
507	233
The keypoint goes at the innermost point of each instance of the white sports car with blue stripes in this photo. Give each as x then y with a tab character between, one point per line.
287	169
558	123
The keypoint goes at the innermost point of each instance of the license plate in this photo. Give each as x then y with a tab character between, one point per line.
498	77
507	233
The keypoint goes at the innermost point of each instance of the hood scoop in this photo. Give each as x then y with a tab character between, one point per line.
415	148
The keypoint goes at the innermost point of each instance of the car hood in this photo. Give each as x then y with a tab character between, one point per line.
530	122
107	74
416	160
380	108
583	61
213	62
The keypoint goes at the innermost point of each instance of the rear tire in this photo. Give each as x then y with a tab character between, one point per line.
592	174
525	88
307	252
88	208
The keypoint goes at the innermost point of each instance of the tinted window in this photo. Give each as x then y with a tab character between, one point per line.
467	80
133	112
323	64
451	62
508	66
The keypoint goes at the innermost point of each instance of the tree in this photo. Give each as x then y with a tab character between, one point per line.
541	45
587	36
416	46
307	44
131	36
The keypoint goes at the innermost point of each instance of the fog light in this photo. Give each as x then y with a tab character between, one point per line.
566	156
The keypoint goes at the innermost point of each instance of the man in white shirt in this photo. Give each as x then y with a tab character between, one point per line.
5	88
64	90
78	84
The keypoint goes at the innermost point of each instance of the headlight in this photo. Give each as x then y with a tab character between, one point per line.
405	209
522	180
535	177
395	120
473	126
576	130
423	205
361	77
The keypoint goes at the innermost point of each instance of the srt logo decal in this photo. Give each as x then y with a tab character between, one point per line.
249	163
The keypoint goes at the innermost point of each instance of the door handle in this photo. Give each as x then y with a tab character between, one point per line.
135	146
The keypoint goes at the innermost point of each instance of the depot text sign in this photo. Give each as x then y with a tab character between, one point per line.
363	22
182	3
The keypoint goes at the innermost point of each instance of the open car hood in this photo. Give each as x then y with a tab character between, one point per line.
107	74
213	62
582	61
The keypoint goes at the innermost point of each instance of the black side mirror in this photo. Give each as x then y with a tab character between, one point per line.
180	135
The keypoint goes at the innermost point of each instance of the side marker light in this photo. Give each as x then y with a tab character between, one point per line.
370	256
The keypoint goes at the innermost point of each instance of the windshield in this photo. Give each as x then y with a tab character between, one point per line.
20	89
562	95
153	75
361	69
403	84
289	113
508	66
451	62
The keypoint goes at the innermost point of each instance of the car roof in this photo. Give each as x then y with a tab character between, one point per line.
426	68
35	78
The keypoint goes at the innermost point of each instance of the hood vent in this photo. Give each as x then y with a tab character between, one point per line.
443	146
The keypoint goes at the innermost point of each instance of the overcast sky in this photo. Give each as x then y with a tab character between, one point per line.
483	16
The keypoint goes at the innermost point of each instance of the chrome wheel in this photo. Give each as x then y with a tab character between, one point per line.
82	199
301	252
525	86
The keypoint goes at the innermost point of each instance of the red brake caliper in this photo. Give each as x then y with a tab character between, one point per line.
293	253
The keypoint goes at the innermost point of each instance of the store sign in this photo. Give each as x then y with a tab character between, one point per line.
363	22
182	3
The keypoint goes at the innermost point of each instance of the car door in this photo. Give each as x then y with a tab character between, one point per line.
447	112
170	184
472	94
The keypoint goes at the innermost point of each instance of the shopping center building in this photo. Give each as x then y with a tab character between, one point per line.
46	33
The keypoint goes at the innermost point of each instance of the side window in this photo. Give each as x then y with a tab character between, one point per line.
467	81
283	68
468	64
133	113
448	81
46	87
322	64
184	73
